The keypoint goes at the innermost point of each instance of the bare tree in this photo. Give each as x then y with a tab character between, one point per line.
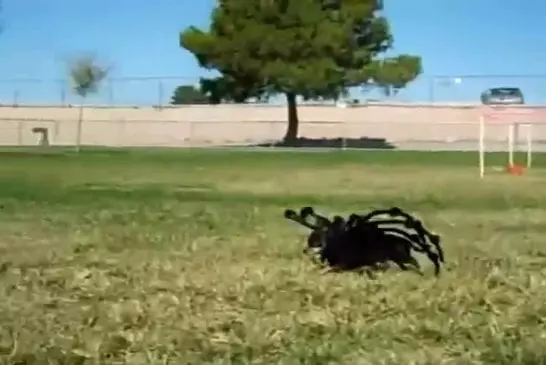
86	75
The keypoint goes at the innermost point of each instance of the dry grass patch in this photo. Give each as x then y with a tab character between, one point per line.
146	269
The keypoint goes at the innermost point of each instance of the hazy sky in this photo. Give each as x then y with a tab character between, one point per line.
140	39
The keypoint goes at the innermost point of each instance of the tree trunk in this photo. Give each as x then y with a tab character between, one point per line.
293	121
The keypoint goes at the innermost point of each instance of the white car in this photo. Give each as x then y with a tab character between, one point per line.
502	96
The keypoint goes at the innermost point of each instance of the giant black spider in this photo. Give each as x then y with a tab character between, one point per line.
366	241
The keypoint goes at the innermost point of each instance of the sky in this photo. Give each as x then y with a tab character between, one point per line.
464	40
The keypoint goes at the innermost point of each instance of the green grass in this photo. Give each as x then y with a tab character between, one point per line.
183	257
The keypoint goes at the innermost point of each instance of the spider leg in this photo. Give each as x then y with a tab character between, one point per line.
414	239
432	256
392	212
307	214
372	214
415	265
434	239
419	241
306	211
424	248
293	216
401	265
320	220
402	243
408	237
421	230
290	214
424	235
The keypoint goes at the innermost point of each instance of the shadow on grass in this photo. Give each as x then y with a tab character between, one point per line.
354	143
36	153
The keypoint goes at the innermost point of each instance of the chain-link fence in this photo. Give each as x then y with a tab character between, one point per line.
157	91
373	125
469	88
137	91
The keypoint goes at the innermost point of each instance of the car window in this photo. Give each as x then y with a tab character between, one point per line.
506	92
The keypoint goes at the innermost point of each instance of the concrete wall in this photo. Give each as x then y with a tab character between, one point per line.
215	125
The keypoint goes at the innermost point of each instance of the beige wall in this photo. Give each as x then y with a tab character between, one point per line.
199	125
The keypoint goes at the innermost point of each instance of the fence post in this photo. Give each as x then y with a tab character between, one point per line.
122	133
431	81
16	98
62	87
190	138
344	134
343	107
110	92
272	130
20	126
160	92
79	128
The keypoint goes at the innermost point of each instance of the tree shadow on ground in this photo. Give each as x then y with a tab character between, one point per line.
363	143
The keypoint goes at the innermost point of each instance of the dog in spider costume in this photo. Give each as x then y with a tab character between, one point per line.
366	242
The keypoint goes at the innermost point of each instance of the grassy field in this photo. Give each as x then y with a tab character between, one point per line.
183	257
